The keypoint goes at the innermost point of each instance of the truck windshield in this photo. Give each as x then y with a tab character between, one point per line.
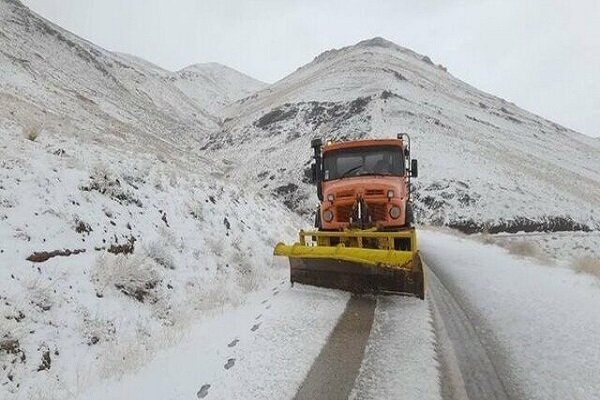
363	161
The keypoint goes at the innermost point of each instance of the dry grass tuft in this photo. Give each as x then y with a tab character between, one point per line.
588	265
523	248
32	131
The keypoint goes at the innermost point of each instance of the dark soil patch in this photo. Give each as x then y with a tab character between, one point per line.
10	346
276	116
164	217
139	293
125	248
46	361
82	227
43	256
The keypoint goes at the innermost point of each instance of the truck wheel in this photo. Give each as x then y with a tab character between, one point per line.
318	218
409	219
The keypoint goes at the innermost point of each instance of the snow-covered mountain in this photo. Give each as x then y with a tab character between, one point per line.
67	81
485	163
213	86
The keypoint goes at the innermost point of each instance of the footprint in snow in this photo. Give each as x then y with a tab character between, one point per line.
264	301
268	307
233	343
255	327
203	392
275	293
259	316
283	282
230	363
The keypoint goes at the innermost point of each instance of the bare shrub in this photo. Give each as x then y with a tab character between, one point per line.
196	211
135	276
246	275
97	330
214	244
523	248
160	254
32	130
211	294
109	184
588	265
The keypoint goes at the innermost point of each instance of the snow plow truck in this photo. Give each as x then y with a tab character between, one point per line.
364	240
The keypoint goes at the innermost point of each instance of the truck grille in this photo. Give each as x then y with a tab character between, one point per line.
374	192
343	213
377	212
344	194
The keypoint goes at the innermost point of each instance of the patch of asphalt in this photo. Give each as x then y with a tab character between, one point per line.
333	373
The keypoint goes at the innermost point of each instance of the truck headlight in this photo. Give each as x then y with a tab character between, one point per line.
390	194
395	212
328	215
330	197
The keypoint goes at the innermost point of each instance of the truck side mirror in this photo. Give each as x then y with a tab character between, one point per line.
313	173
414	168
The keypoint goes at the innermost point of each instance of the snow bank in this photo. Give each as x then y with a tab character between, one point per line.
400	355
261	350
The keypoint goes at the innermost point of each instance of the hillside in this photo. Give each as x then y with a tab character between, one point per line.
485	163
214	86
67	82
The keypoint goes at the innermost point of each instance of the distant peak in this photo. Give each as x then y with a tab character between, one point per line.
205	66
378	42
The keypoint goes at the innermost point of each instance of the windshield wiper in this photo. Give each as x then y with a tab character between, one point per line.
350	171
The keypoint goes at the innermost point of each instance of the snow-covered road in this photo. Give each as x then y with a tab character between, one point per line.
266	349
538	325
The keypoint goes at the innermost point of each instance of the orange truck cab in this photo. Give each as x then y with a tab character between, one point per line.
363	184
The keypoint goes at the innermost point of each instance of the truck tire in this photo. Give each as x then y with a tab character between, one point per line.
409	219
318	218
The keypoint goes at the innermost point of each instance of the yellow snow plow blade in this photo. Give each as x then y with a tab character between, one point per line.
357	260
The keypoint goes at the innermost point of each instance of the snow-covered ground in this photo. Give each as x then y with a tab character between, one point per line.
576	250
260	350
159	242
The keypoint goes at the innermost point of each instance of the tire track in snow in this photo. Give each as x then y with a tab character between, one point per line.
468	370
334	371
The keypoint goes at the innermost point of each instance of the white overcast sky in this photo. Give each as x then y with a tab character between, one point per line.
544	55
